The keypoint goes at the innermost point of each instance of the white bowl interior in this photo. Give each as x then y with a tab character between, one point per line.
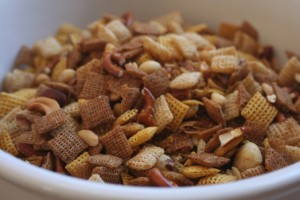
24	22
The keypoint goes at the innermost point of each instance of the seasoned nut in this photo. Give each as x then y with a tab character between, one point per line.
43	104
117	109
89	137
150	66
67	75
96	178
218	98
165	163
41	78
185	80
114	97
248	156
271	98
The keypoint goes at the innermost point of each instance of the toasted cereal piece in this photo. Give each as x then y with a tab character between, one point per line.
287	73
234	172
26	93
257	133
172	16
243	97
178	110
48	47
258	68
94	86
126	117
78	166
96	111
231	107
140	181
49	122
109	175
146	158
209	54
247	28
7	144
48	162
207	159
293	152
132	128
126	178
67	145
217	179
130	96
157	82
187	49
174	27
178	178
185	80
162	113
8	102
34	160
227	30
255	171
297	105
244	42
143	58
30	138
283	98
156	50
167	42
72	109
120	30
151	28
18	79
198	171
229	141
71	124
115	85
105	160
284	130
200	42
142	136
179	143
58	68
251	85
213	110
274	160
82	72
116	144
259	110
224	64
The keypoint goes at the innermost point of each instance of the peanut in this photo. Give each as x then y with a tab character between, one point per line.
150	66
89	137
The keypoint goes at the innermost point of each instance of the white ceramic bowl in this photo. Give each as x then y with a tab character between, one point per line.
24	22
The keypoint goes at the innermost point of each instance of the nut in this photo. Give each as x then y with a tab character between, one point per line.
114	97
267	89
117	109
192	111
165	163
41	78
43	104
248	156
218	98
96	178
150	66
271	98
67	76
185	80
51	93
89	137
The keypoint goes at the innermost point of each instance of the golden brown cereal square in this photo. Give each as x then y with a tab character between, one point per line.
109	175
129	95
116	143
96	111
157	82
67	146
7	144
94	86
105	160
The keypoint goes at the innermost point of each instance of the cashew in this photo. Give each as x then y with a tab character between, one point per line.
89	137
150	66
248	156
96	178
43	104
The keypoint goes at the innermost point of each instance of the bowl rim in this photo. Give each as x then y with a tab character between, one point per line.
42	181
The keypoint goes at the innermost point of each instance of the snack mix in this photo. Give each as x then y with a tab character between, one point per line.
157	103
